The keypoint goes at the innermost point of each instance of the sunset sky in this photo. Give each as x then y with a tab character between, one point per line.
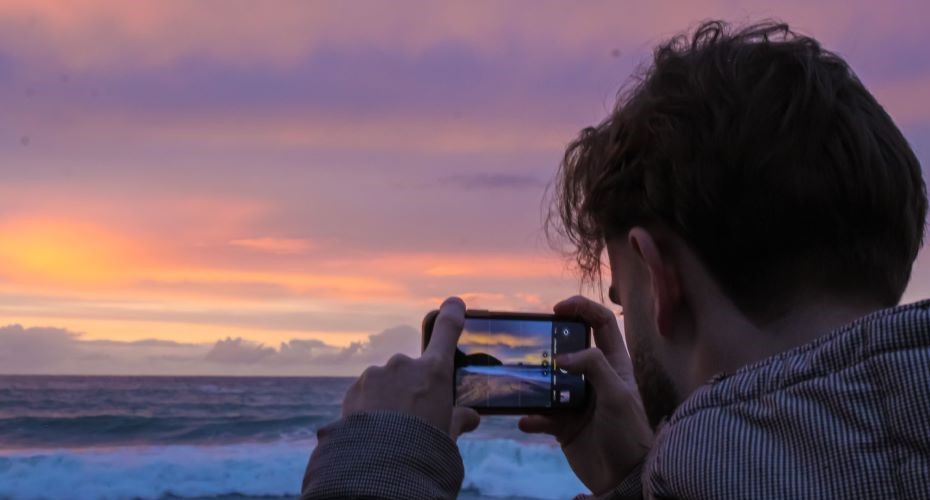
510	342
241	188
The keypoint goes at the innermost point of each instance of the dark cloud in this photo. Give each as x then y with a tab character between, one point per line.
24	348
140	343
51	350
506	353
311	352
47	350
380	347
238	351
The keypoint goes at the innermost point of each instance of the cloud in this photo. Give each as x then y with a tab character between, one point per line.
238	351
473	338
493	181
311	352
38	350
96	33
24	347
380	347
283	246
48	350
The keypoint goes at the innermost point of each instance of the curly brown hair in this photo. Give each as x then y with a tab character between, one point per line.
766	154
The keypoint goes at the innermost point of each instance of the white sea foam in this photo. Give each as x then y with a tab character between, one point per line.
499	468
154	472
507	468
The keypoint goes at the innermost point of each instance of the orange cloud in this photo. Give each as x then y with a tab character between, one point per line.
491	339
69	254
64	255
61	250
275	245
385	133
460	265
343	286
134	330
118	284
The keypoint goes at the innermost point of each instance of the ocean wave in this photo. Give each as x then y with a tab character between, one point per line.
114	430
506	468
155	472
496	468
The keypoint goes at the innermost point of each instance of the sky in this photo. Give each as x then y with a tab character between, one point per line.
224	187
510	342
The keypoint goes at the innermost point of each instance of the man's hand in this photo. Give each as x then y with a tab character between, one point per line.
420	387
613	435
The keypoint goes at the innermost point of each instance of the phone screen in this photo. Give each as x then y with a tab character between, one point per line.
504	363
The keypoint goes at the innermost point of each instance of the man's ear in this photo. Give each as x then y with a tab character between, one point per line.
664	277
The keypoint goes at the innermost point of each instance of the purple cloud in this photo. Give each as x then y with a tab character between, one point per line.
46	350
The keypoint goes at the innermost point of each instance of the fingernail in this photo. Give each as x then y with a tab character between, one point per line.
563	358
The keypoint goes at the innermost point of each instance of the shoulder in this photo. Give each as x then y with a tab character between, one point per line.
825	419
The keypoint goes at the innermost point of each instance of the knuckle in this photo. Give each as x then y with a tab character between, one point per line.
601	314
398	360
370	372
577	302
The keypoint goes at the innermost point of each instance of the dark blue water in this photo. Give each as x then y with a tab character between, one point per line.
40	412
199	437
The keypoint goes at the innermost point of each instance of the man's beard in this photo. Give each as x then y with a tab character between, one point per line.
655	386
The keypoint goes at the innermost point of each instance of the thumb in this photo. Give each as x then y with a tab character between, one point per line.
592	363
463	420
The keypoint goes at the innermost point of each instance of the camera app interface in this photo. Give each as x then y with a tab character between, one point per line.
504	363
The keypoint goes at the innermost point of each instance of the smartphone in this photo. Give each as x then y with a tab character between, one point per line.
504	362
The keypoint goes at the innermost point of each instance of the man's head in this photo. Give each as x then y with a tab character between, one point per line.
746	168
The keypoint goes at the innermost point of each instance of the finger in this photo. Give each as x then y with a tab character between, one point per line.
606	331
539	424
463	420
592	363
446	330
372	371
398	360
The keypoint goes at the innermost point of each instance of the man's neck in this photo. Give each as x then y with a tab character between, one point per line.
737	345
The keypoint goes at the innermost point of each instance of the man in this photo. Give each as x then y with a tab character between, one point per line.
761	214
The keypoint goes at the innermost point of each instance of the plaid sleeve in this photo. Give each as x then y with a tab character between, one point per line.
631	488
383	455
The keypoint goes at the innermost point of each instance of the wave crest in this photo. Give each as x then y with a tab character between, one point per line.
498	468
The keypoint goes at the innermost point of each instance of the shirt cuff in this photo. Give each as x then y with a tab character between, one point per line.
383	455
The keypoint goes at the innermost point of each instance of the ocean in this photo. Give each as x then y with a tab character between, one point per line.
216	437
